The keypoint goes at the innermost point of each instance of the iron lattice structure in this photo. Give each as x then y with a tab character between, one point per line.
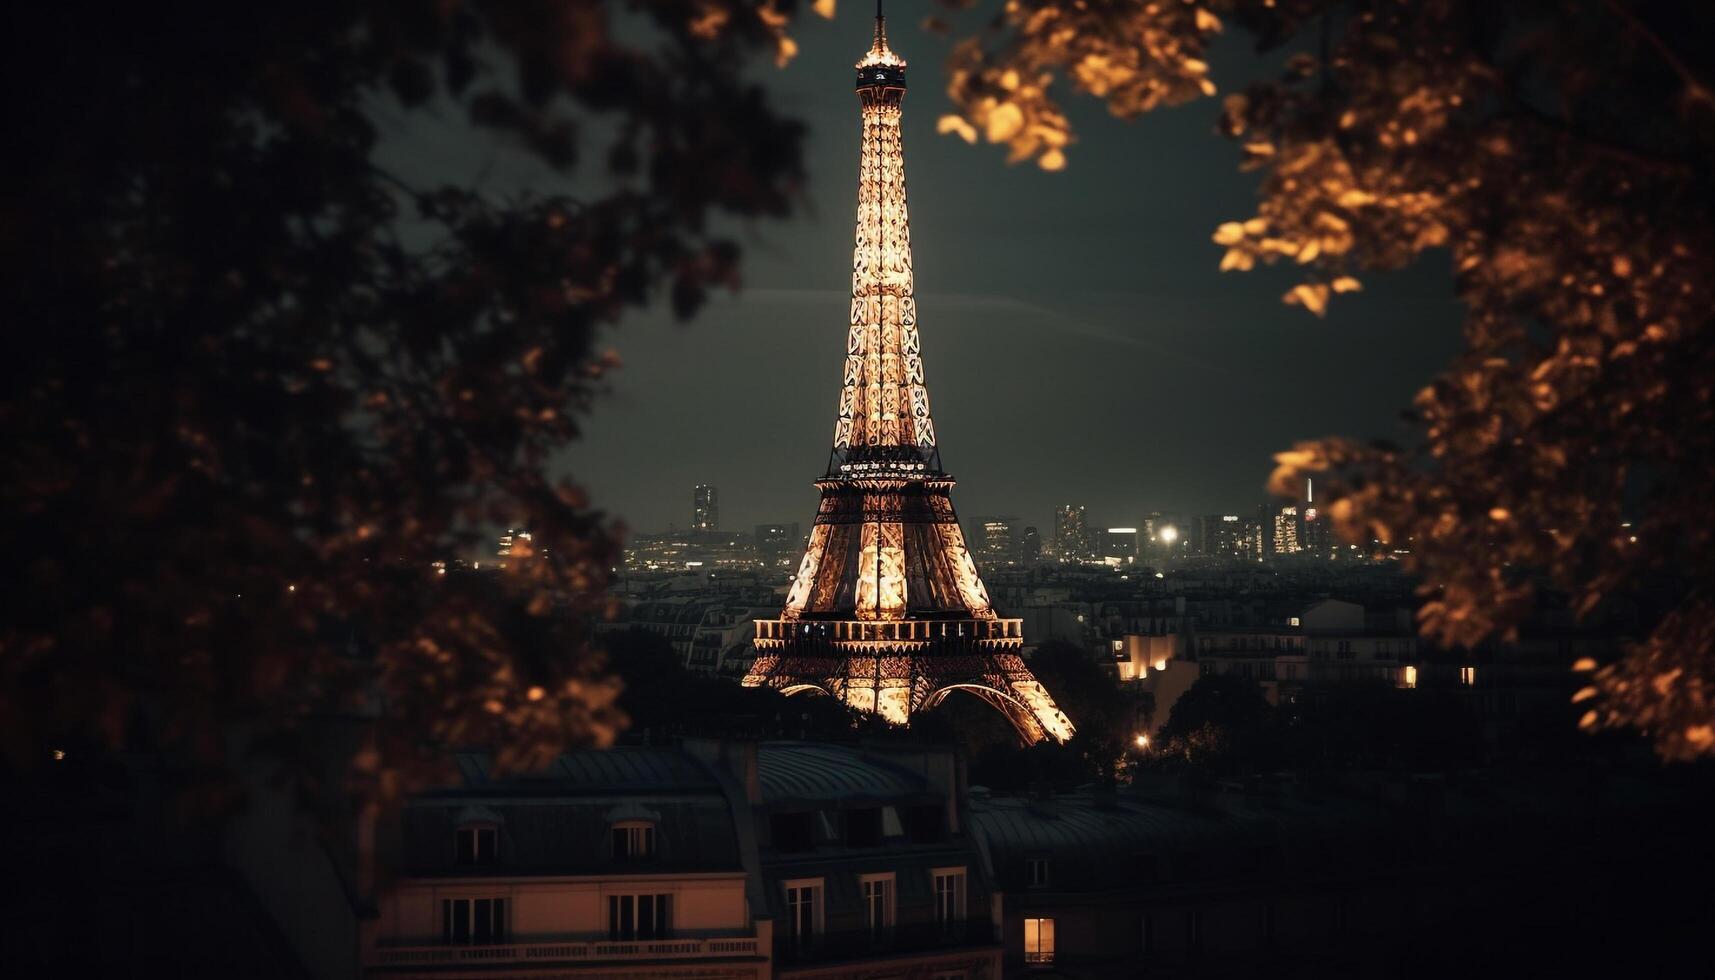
887	611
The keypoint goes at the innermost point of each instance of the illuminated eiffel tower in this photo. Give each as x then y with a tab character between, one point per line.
887	612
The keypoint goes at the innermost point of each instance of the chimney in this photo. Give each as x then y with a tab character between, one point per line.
736	757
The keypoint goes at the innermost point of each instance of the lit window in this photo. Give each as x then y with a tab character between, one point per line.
1293	621
638	917
473	921
803	912
1038	869
633	840
878	904
1038	940
476	845
1410	676
1468	676
949	898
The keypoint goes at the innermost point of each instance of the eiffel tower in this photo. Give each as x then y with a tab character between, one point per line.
887	611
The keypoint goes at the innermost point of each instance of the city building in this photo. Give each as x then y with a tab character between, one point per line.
1286	531
1030	547
705	508
710	631
1117	545
705	551
1071	534
868	865
710	859
514	541
887	612
778	545
1221	536
631	861
998	540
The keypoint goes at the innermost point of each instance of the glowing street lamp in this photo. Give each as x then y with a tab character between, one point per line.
1142	741
1169	534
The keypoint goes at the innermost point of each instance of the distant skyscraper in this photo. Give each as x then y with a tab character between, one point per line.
996	539
1030	547
1071	534
1286	531
1315	535
1223	535
705	508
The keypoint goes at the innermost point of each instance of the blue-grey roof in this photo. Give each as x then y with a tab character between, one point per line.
1095	844
557	821
622	769
809	772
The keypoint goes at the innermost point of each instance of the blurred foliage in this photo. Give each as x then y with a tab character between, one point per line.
1560	153
256	383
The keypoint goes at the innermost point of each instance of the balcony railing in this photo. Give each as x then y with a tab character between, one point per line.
917	937
577	952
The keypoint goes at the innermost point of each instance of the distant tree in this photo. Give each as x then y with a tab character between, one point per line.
1218	723
1362	725
1104	714
1560	154
662	699
256	383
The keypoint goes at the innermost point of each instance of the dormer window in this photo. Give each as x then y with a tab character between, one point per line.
476	845
1037	869
633	840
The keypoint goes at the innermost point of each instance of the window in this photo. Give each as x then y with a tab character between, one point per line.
633	840
1037	869
473	921
878	904
949	898
793	831
1468	676
638	917
476	845
863	827
1038	940
803	912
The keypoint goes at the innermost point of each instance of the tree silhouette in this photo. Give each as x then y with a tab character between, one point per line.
1559	152
1218	723
257	384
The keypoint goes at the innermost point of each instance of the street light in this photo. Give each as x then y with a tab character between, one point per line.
1142	741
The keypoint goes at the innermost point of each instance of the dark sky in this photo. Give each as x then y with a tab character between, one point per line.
1079	344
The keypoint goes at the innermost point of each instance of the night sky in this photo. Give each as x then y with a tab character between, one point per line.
1079	343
